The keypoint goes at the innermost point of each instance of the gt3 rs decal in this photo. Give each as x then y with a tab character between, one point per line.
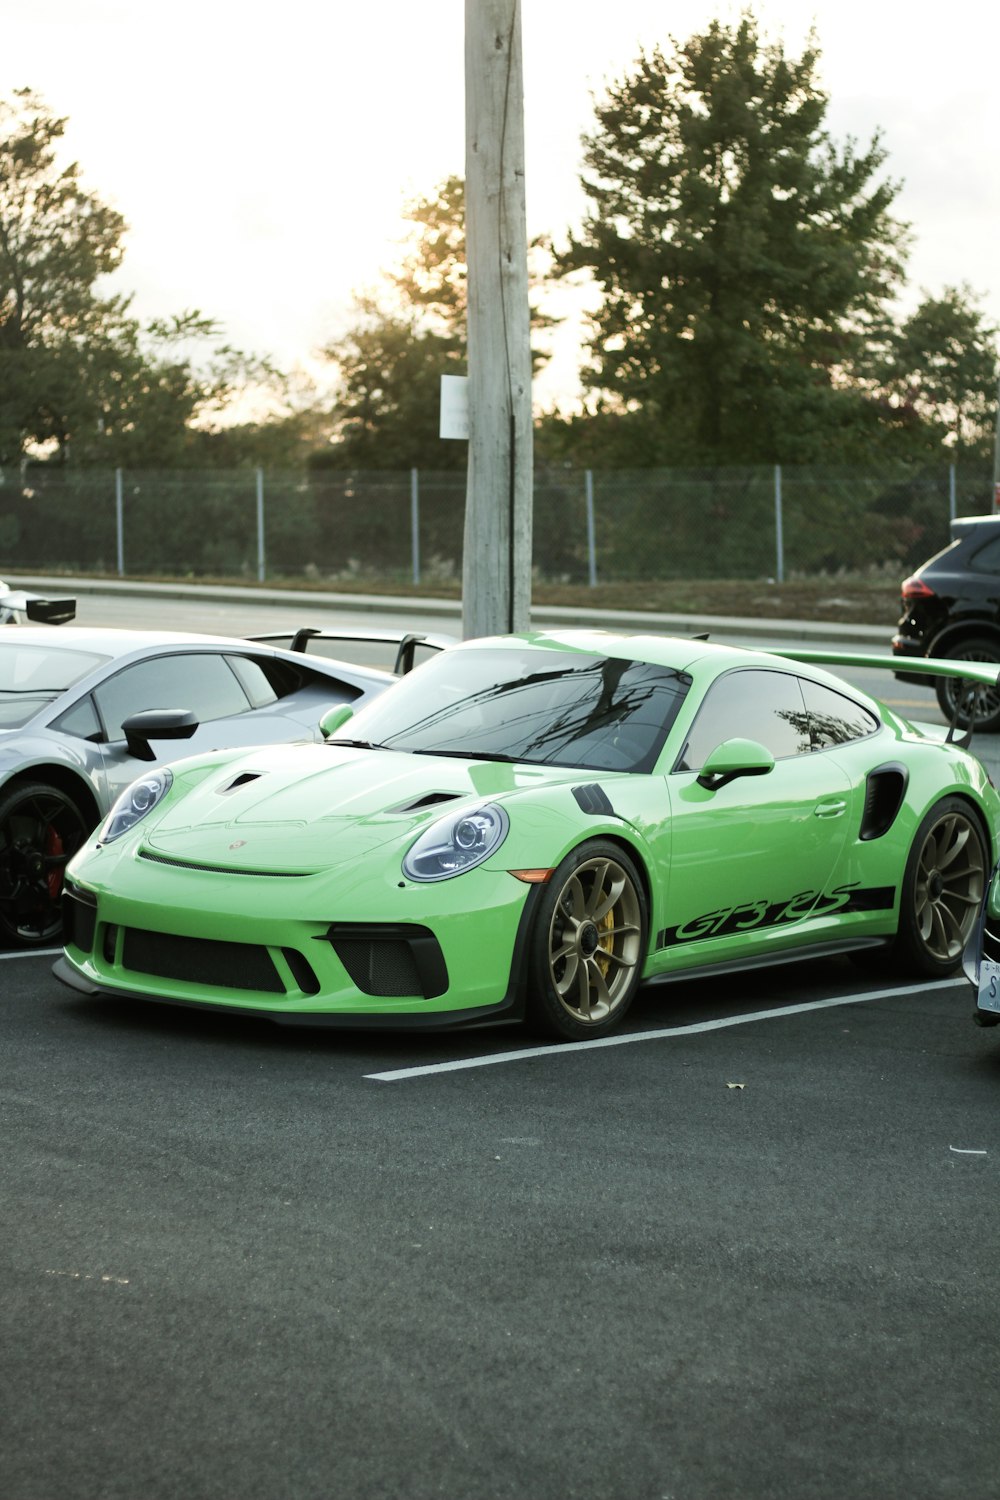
729	920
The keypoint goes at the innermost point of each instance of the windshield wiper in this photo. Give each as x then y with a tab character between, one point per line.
359	744
513	760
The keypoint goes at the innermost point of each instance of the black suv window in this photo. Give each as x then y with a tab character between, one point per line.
986	559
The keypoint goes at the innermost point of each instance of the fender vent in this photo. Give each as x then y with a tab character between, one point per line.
593	800
884	792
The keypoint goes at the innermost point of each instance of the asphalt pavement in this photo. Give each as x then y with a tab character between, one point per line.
747	1254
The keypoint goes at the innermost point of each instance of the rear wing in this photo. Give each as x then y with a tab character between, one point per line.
43	611
398	650
985	674
977	673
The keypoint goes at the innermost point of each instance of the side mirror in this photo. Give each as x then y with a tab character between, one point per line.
157	724
335	718
735	758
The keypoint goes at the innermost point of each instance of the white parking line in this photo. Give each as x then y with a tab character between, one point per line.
34	953
398	1074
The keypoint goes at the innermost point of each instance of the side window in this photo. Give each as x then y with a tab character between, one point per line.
753	705
201	681
986	559
834	719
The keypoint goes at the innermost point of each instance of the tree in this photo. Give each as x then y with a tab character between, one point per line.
403	337
81	379
940	371
386	412
432	279
746	263
56	240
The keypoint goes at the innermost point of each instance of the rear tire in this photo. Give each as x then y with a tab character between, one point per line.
943	888
588	945
986	714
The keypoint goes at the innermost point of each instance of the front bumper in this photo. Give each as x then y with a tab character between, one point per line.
274	948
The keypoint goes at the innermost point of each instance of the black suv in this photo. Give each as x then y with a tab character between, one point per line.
951	608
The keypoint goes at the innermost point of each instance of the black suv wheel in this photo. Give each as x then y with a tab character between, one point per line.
951	609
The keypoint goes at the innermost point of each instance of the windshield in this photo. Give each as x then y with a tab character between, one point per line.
548	707
32	676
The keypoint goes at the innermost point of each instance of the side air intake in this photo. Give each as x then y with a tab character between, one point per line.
884	793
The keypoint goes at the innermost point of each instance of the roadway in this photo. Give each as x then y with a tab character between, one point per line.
236	611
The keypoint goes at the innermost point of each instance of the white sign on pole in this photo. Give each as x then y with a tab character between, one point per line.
454	406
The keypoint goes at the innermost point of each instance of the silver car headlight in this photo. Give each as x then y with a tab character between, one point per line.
456	843
135	802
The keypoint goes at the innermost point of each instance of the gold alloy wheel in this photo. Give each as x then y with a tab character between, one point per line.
595	940
949	885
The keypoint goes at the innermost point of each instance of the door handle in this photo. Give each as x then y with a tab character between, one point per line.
829	809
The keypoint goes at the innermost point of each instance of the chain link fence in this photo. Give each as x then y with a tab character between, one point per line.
781	523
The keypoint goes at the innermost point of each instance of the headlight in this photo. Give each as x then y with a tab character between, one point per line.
134	803
457	843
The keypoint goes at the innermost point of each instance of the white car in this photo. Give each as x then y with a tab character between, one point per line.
83	712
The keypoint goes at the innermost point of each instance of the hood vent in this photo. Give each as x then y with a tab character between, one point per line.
430	799
243	779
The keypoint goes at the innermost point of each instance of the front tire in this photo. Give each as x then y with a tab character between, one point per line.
985	715
943	887
40	830
588	944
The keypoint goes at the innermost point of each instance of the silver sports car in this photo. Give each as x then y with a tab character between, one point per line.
84	711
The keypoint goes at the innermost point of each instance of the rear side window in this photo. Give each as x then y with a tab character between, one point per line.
833	718
255	681
986	559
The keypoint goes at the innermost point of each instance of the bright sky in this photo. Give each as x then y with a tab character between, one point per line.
261	153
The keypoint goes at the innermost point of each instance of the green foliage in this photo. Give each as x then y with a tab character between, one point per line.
56	239
402	340
387	412
433	278
746	263
940	372
81	380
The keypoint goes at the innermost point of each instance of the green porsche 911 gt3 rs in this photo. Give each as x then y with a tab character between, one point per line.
528	827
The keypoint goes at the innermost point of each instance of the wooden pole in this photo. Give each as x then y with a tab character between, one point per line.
496	583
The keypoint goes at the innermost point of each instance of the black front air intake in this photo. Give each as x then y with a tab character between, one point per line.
390	959
79	918
230	966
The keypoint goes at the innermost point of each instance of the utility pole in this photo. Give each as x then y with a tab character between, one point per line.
496	581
